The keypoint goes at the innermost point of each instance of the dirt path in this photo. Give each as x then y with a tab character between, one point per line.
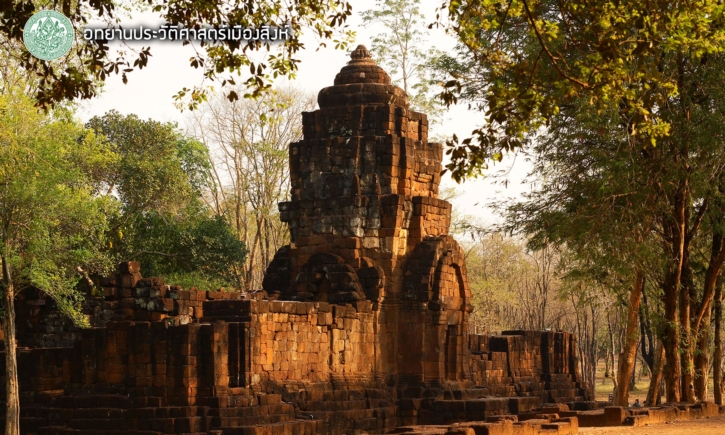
705	426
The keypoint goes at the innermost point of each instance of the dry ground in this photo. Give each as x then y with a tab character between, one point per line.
705	426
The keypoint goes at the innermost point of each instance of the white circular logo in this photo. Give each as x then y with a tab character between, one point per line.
48	35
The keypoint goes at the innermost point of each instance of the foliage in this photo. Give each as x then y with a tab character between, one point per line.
251	167
523	61
52	225
404	51
159	180
592	194
590	301
89	63
195	245
149	174
512	287
618	192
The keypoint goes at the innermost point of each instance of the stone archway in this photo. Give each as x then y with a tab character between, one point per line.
326	278
435	273
435	277
454	298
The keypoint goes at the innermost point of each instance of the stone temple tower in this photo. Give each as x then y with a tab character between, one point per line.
366	224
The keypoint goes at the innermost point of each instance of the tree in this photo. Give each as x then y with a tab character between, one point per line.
589	198
159	180
522	61
194	248
52	223
495	266
513	287
590	301
404	51
90	63
717	376
647	73
149	174
597	186
651	328
251	167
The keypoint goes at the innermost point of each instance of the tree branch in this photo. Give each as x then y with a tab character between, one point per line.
698	220
546	49
136	254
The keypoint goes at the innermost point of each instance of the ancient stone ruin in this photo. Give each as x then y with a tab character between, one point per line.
362	326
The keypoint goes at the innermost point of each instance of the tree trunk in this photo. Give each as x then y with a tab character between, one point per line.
653	394
250	282
12	417
702	318
717	354
702	360
671	341
629	350
671	346
689	341
675	237
646	344
611	354
592	353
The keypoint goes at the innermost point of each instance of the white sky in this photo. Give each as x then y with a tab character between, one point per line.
149	93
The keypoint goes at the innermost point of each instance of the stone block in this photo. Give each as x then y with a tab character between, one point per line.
129	267
558	428
129	280
460	431
573	423
504	427
614	415
524	428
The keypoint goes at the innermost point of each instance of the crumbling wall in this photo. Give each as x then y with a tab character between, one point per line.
294	366
303	341
540	364
124	296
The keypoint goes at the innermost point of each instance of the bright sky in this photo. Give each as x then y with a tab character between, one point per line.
149	94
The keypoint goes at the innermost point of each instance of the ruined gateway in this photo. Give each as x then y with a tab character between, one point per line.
362	327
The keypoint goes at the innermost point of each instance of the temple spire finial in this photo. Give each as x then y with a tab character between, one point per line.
361	52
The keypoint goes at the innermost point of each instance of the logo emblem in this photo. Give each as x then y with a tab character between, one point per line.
48	35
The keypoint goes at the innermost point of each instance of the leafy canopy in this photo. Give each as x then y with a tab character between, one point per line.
157	183
149	174
258	62
522	61
52	224
194	248
403	49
